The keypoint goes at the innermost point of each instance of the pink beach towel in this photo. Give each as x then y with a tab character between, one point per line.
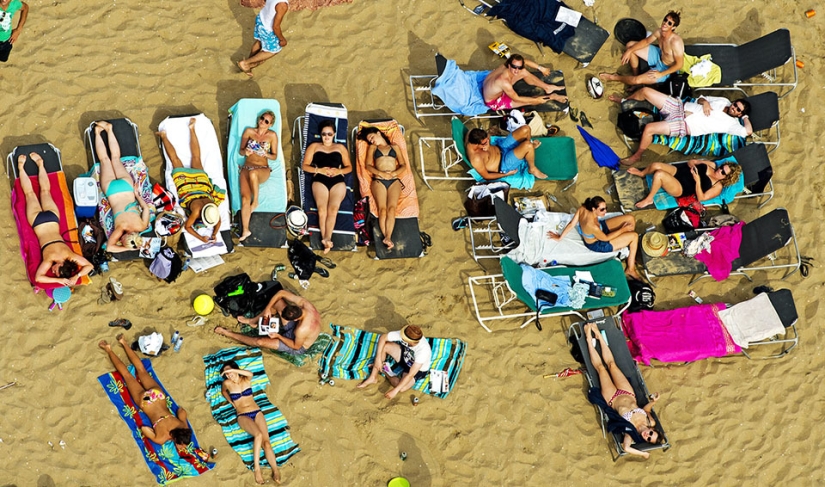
724	249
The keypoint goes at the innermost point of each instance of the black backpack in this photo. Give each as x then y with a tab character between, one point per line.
632	122
641	295
676	86
240	296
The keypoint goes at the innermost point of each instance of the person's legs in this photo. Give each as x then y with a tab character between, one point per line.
379	194
170	149
393	194
527	151
651	129
114	152
522	133
194	146
256	178
251	427
246	204
32	203
631	241
132	385
260	422
107	172
336	196
321	195
663	178
605	381
382	351
46	201
260	342
619	380
140	371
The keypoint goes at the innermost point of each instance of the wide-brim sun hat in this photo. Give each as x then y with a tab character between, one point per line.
655	244
407	338
210	215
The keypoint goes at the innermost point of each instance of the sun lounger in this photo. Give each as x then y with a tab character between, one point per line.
621	353
714	330
267	223
167	462
760	58
249	359
755	182
762	238
177	130
406	235
505	296
29	245
556	157
304	132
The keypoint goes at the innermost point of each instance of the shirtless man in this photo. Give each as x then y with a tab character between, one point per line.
663	60
299	328
42	214
498	85
506	157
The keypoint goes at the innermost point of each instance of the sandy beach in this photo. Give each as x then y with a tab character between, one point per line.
731	421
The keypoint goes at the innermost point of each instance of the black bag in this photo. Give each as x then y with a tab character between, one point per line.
677	220
167	265
548	297
485	205
676	86
642	296
239	296
302	258
632	122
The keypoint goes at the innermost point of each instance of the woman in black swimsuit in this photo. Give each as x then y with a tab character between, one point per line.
701	178
237	389
386	162
327	162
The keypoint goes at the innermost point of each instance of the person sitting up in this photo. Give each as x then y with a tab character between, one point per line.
607	235
708	115
703	179
498	89
269	38
505	157
664	60
300	325
196	193
237	389
131	213
43	215
385	162
618	393
8	36
327	161
259	145
407	347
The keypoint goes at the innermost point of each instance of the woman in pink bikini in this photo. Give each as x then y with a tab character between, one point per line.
259	145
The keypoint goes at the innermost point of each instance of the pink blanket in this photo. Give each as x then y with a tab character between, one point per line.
679	335
723	251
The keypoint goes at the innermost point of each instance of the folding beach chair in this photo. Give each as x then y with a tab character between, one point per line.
762	238
618	347
556	157
268	221
304	132
755	182
503	290
406	235
529	19
760	58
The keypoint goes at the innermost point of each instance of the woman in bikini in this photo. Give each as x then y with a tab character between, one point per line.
259	145
43	215
607	235
704	179
618	392
386	162
327	162
131	213
237	389
150	398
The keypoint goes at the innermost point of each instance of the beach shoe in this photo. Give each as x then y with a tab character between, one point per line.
321	272
574	114
197	321
585	121
126	324
326	261
105	296
116	289
459	223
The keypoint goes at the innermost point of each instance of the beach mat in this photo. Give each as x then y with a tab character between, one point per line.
353	351
250	359
167	462
315	350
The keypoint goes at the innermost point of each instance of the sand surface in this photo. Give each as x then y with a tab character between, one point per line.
731	421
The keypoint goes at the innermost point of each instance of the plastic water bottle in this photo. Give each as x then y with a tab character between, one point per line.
175	337
554	263
403	456
104	266
178	344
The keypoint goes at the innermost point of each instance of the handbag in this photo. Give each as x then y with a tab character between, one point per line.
536	124
548	297
480	196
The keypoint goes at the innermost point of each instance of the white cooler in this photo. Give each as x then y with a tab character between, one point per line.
86	197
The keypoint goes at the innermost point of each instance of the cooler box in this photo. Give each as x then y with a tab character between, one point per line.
86	197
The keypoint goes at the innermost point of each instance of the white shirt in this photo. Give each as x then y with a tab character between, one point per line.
718	122
422	353
267	14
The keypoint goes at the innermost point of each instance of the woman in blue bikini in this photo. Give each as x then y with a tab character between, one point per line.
131	213
385	162
607	235
259	145
237	389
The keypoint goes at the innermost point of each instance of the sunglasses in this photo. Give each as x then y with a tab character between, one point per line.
736	107
517	68
669	22
266	120
604	208
722	170
327	134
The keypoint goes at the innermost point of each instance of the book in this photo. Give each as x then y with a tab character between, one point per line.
676	242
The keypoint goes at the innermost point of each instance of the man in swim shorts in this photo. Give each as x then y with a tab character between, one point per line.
8	36
505	157
269	39
410	350
498	85
663	60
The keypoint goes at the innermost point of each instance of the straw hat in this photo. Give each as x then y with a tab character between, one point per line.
655	244
210	214
411	334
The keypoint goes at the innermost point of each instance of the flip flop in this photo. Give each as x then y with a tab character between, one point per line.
321	272
585	121
116	289
552	130
459	223
197	321
126	324
574	114
105	295
326	261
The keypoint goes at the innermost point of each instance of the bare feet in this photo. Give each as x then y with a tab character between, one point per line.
327	245
634	171
245	68
608	76
103	125
245	235
219	330
644	203
276	474
21	162
368	381
104	345
121	339
192	123
536	144
556	97
259	478
388	243
538	174
632	273
615	98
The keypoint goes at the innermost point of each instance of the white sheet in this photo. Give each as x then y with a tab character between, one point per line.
751	321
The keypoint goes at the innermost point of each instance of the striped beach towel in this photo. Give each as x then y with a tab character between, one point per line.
249	359
167	462
707	145
353	351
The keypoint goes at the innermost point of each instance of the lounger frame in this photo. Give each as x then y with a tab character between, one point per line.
11	167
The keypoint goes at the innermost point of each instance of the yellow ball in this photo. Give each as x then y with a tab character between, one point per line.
204	304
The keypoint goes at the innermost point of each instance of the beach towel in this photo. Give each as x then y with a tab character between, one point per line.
249	359
724	249
167	462
535	20
461	90
140	179
752	320
353	351
317	348
711	145
664	201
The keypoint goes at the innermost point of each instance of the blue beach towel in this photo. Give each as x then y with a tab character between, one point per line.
461	90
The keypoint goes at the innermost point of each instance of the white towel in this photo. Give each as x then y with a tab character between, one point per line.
751	321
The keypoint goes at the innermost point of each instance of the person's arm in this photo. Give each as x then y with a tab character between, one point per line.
747	123
713	192
530	100
145	210
345	159
190	227
405	382
541	69
706	108
273	147
182	415
403	163
149	433
572	223
696	162
113	243
41	277
215	230
640	45
85	266
280	12
307	164
626	445
649	406
24	13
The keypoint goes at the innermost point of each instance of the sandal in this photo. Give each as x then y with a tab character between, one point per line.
326	261
574	114
585	121
459	223
116	289
197	321
321	272
126	324
105	295
552	130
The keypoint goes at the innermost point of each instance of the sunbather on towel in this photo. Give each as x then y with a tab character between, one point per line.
237	389
409	349
131	213
618	392
196	193
149	397
42	214
663	60
604	235
709	115
704	179
300	325
498	85
505	157
259	145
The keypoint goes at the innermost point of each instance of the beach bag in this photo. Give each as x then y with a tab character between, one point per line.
632	122
688	216
515	120
676	86
238	295
302	258
480	196
361	217
166	265
162	199
642	296
536	124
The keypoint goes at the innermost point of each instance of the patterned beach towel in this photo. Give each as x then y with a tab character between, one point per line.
140	178
707	145
249	359
167	462
316	349
350	356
